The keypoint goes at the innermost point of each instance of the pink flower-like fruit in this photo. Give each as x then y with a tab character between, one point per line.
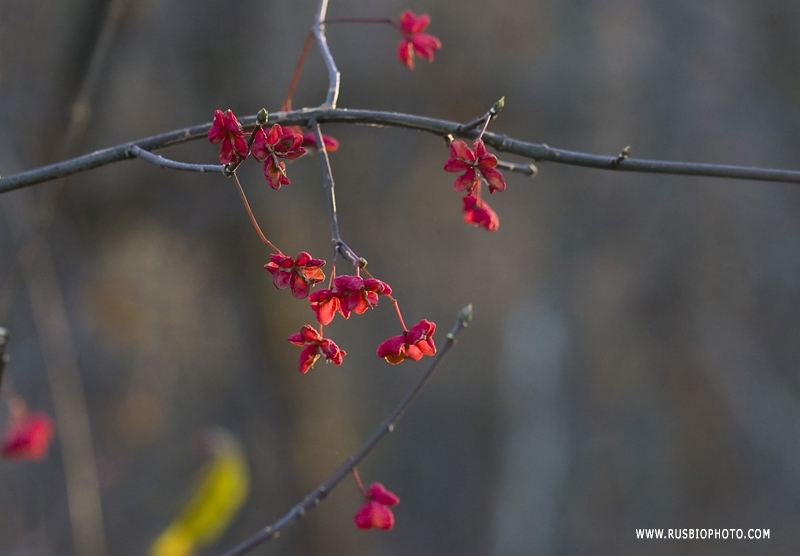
28	436
270	147
315	346
478	212
375	512
300	274
414	343
350	294
475	165
227	130
414	40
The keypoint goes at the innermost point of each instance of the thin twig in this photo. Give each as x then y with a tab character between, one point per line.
321	492
252	216
159	160
527	169
503	143
484	120
327	177
334	77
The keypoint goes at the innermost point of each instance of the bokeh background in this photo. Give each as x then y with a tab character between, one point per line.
633	359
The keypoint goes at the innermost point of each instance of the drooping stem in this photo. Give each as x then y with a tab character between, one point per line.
358	482
390	298
399	314
264	239
485	125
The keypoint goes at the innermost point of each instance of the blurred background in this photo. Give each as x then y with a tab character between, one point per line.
633	358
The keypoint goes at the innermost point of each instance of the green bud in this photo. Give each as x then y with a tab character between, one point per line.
498	106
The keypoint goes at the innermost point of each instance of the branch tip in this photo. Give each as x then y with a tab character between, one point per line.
465	316
498	107
462	321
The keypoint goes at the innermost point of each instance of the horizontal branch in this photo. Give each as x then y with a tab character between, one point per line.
500	142
321	492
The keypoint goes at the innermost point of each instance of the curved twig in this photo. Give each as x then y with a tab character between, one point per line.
321	492
174	164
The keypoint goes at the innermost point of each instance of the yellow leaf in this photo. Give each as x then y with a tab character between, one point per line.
220	490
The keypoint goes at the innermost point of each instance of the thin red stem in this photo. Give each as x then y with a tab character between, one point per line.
485	125
399	314
287	102
358	482
264	239
390	298
333	273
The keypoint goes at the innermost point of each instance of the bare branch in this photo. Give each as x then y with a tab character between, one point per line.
503	143
321	492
